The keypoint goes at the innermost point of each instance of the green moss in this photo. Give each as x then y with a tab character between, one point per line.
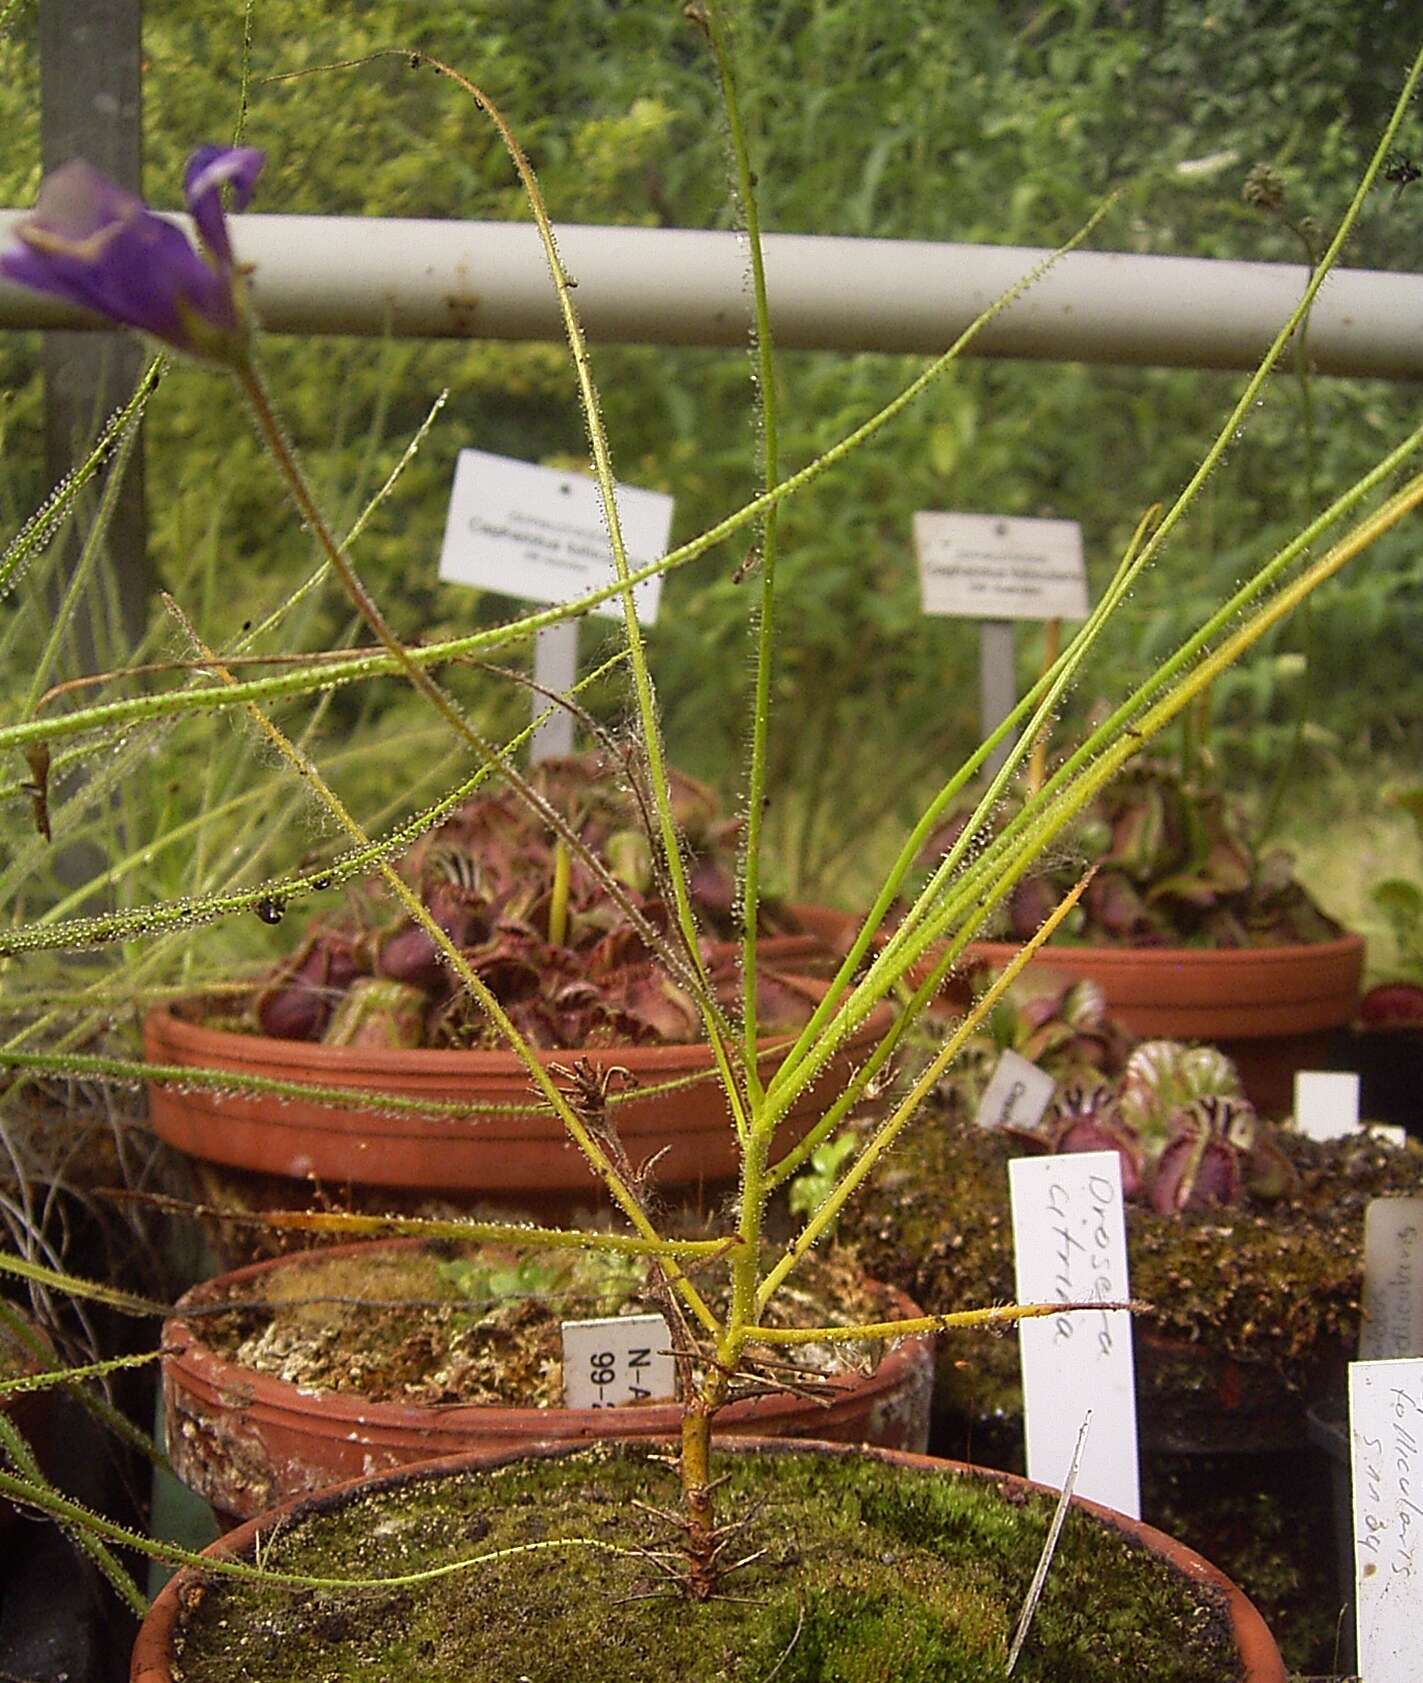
870	1574
1267	1283
1266	1521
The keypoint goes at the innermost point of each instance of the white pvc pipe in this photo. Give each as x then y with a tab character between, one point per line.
488	280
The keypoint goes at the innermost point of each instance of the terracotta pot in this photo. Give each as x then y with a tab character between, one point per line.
1270	1009
819	939
153	1652
500	1154
245	1440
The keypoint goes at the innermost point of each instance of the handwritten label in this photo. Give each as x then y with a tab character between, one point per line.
987	566
1017	1094
1070	1247
1392	1323
538	533
1326	1103
1386	1440
622	1359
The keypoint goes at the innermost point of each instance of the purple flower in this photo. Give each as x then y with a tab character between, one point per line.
94	243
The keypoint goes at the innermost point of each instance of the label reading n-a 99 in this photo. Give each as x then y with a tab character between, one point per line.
622	1359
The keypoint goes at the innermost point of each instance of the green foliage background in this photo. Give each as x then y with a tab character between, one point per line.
946	120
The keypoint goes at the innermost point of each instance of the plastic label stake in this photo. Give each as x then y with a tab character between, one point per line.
996	568
621	1359
1386	1448
1017	1094
538	533
1392	1324
1070	1246
991	566
1326	1103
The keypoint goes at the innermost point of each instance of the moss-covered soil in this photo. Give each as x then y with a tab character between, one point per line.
870	1575
437	1325
1276	1287
1266	1520
1268	1284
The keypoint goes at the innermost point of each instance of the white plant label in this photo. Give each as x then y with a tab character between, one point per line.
621	1359
1386	1444
538	533
1392	1324
1017	1094
1069	1239
991	566
1326	1103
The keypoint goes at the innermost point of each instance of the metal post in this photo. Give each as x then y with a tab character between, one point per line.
997	683
91	102
556	669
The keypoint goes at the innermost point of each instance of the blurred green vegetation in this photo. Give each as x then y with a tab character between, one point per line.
966	120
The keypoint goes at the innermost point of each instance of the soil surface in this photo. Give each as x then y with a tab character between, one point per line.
861	1573
443	1324
1273	1283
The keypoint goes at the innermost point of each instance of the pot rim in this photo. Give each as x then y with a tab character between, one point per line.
1260	1658
1340	951
205	1373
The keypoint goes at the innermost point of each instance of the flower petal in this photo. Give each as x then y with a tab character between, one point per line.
95	244
208	171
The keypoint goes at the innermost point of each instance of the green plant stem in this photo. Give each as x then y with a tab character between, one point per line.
472	1232
997	1315
126	1303
81	1066
187	909
708	16
80	1534
824	1216
89	552
68	1512
71	1376
34	536
558	899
